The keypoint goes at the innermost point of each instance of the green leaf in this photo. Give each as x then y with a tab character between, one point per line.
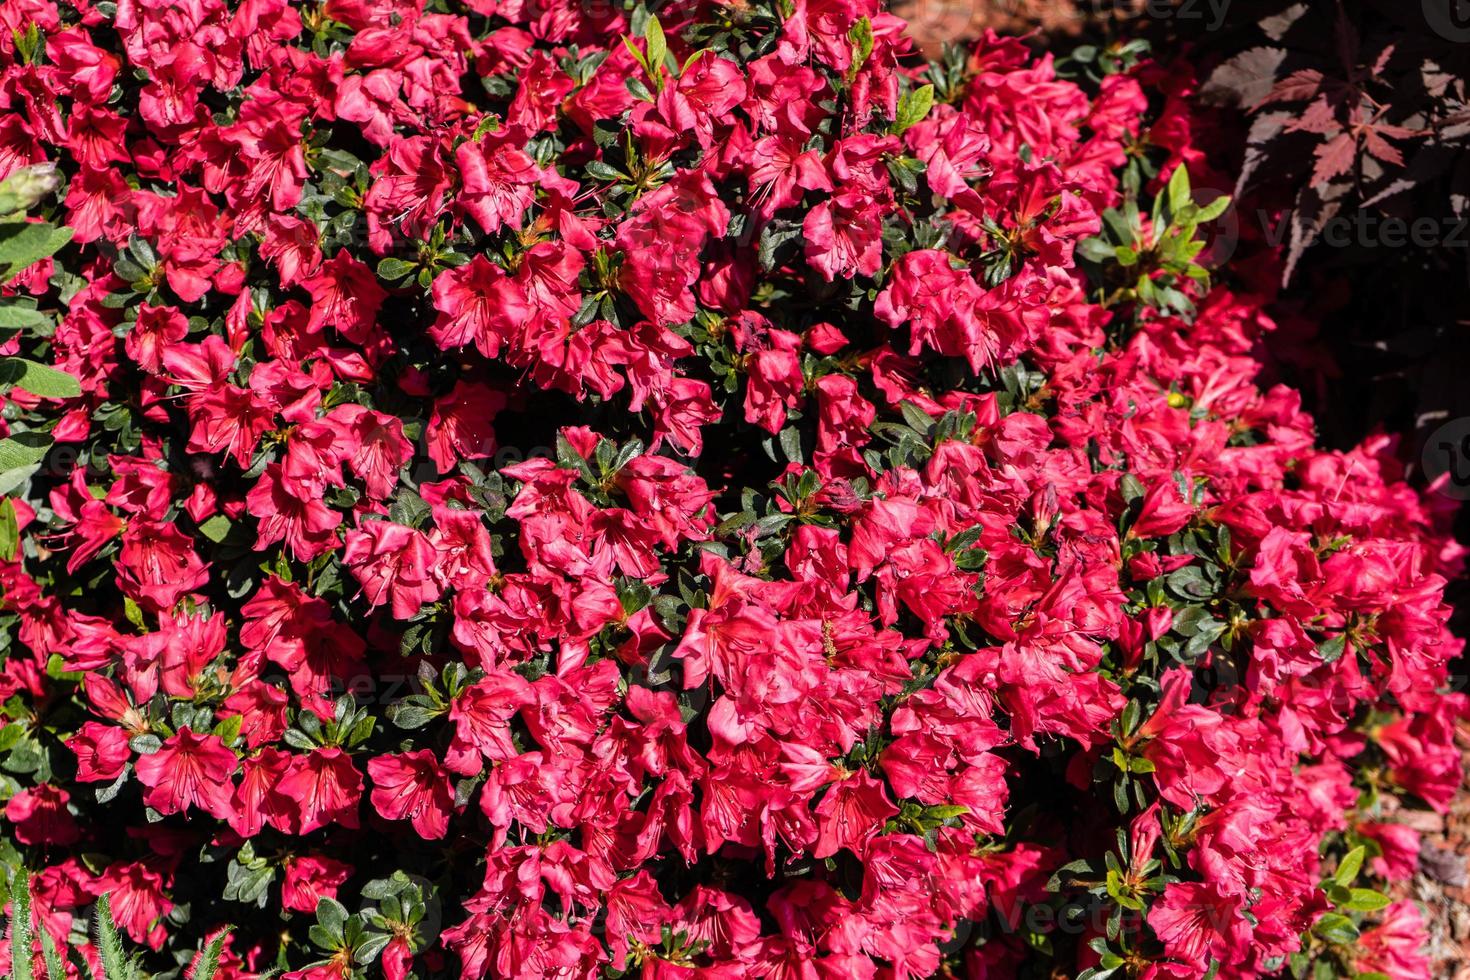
9	531
1213	210
637	54
658	49
1351	864
248	885
114	964
370	947
23	449
55	968
229	729
332	916
861	36
1330	650
56	669
773	236
216	528
598	170
13	317
1336	928
406	715
918	419
912	109
145	744
24	243
1178	190
1072	870
393	269
1188	583
1365	900
790	440
28	186
946	811
20	927
209	959
134	614
1124	227
38	379
408	508
1096	250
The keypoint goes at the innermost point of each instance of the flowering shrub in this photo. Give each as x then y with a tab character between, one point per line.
559	492
111	961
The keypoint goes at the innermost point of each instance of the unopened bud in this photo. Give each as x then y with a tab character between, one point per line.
27	187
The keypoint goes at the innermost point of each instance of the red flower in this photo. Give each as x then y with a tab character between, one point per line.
326	787
345	295
306	525
136	895
850	814
460	427
1164	511
189	770
499	184
259	799
703	459
40	816
392	560
478	304
482	715
158	564
412	787
101	750
843	235
1396	946
309	879
1197	923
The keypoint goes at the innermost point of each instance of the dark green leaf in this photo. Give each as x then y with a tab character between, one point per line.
24	243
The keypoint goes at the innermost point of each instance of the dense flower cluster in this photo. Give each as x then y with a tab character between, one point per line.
558	492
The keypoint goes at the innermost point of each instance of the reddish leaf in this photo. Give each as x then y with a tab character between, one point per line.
1381	149
1334	157
1319	117
1299	86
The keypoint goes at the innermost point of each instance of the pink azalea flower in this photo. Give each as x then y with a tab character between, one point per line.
392	562
189	770
413	787
326	787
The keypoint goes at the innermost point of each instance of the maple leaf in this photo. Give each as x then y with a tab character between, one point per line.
1319	117
1334	157
1299	86
1381	149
